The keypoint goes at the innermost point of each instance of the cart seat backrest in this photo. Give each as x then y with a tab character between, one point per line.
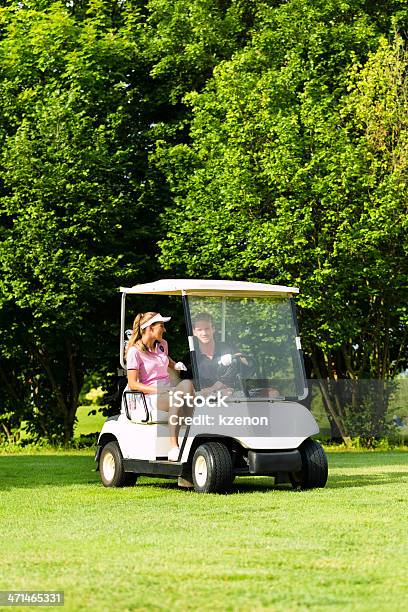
137	411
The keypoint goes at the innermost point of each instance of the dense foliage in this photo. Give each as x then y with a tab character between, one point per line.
240	139
297	172
74	139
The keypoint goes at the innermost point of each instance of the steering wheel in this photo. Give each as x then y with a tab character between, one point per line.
235	371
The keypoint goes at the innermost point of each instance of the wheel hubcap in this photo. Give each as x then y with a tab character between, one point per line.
108	466
200	471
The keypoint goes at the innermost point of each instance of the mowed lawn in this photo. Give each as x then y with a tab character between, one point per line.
157	547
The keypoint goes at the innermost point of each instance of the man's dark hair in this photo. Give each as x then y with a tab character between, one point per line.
202	316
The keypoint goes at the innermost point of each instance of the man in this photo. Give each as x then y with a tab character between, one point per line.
212	357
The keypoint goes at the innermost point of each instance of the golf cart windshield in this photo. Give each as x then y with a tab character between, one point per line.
257	350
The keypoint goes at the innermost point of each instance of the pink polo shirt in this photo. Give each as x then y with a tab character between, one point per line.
152	365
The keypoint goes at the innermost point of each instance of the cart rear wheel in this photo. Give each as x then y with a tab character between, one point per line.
314	470
111	467
212	468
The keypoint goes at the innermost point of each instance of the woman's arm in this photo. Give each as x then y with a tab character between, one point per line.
178	366
135	385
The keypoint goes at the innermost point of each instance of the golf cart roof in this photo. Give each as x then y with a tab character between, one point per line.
188	286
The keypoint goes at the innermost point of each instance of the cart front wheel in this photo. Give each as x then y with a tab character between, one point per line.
212	468
111	467
314	470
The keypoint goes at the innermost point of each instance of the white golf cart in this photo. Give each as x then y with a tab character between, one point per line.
258	427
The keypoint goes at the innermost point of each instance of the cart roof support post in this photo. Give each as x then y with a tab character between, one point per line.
189	325
122	331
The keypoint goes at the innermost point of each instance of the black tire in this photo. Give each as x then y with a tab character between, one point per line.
212	468
314	472
111	468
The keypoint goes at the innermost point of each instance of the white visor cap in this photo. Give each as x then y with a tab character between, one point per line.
156	319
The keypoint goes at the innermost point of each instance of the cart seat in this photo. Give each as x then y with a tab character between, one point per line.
155	416
158	416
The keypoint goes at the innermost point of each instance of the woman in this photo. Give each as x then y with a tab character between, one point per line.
148	361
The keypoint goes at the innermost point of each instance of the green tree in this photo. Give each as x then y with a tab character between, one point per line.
284	180
73	215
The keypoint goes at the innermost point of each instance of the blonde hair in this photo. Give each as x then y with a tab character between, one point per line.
136	337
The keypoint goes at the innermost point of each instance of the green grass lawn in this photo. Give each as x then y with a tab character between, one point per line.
88	423
157	547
